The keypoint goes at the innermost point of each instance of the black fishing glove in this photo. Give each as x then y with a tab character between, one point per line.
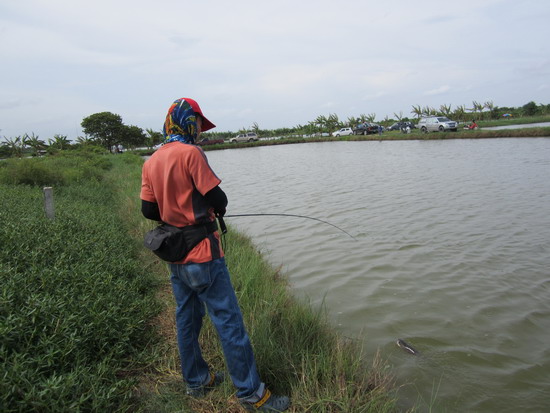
217	198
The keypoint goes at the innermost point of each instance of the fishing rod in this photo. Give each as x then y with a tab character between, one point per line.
224	229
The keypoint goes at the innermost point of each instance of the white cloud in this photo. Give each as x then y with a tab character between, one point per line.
439	91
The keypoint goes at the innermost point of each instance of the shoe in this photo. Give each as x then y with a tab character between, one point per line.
215	380
268	403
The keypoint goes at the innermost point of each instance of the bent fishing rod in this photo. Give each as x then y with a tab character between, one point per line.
224	228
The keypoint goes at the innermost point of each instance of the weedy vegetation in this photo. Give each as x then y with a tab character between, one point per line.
74	300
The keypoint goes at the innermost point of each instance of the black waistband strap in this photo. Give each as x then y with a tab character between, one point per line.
205	229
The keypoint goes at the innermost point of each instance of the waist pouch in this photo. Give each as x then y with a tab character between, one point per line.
172	243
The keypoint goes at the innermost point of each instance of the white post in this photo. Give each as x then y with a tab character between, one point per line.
48	202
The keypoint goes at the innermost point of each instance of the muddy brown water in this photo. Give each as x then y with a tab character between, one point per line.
452	254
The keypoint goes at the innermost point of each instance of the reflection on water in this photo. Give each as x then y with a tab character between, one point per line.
452	255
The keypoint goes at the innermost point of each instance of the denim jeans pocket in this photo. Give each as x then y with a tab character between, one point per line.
197	276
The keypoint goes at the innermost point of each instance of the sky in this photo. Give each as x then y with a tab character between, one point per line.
272	63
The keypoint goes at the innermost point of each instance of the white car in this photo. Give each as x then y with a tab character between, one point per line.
343	132
244	137
437	123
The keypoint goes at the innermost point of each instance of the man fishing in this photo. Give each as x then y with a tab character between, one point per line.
179	188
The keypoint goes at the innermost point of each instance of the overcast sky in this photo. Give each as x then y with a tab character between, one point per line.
277	63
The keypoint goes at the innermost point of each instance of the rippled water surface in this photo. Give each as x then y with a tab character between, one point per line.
452	254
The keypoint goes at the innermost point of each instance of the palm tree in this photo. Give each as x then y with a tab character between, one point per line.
83	140
153	137
16	145
477	107
490	106
460	113
312	125
371	117
428	111
33	142
417	110
60	142
445	110
353	121
399	116
256	128
333	123
321	122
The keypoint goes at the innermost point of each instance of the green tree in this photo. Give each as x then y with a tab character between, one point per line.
33	142
352	121
417	111
322	122
333	123
16	146
445	110
105	128
477	107
398	116
59	142
256	128
428	111
132	136
371	117
153	137
493	110
530	109
84	140
459	113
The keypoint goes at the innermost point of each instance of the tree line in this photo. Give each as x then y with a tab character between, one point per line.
327	124
106	129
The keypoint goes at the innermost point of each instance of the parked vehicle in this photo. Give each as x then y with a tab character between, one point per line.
366	128
343	132
402	125
207	141
437	123
244	137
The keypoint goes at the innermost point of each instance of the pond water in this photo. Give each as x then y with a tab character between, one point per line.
523	126
451	253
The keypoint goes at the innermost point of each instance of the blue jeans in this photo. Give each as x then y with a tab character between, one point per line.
195	285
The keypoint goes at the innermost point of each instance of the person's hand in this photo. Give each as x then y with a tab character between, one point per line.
220	212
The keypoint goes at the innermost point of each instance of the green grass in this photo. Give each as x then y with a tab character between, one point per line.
514	121
74	300
296	350
86	313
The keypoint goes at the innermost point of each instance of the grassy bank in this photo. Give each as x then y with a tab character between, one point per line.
87	315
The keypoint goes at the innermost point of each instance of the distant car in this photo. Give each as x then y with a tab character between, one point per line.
366	129
343	132
437	123
402	125
244	137
207	141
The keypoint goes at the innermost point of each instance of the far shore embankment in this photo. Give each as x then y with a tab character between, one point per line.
509	131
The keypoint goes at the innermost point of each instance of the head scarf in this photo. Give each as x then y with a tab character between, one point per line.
181	123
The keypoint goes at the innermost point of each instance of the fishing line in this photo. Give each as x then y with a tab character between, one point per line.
285	215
